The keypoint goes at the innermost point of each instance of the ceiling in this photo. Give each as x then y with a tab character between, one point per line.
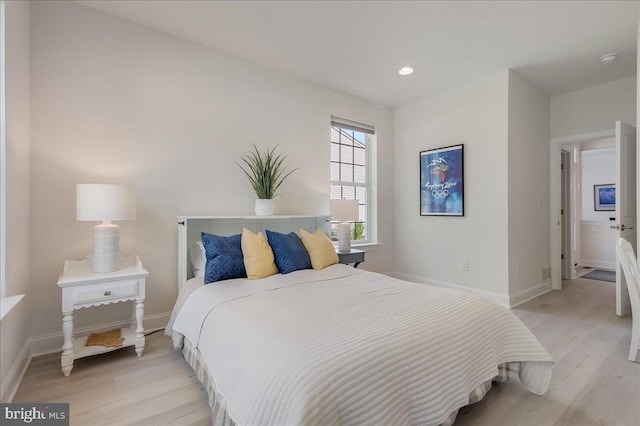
358	46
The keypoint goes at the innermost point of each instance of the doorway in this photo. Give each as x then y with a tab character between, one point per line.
570	197
563	195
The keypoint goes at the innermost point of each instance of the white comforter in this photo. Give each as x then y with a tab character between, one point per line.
346	346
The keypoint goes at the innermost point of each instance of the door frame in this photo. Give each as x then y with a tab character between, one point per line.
566	248
555	237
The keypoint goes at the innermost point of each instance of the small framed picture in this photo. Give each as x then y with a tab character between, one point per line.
442	181
604	197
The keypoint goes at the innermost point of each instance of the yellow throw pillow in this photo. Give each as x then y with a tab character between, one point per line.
258	256
320	248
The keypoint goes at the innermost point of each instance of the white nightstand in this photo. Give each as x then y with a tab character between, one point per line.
82	288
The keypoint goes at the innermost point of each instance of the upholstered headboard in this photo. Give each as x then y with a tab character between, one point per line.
190	227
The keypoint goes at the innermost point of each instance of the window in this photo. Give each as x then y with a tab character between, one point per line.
350	175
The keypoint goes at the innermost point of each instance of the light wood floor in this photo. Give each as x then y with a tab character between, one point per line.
593	382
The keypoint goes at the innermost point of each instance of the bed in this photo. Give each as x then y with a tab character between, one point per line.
342	345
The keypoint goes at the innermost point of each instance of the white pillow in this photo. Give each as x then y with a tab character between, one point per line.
198	259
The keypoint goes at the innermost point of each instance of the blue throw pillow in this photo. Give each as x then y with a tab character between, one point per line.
289	252
224	257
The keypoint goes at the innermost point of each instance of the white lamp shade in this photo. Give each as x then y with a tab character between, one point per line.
104	202
344	210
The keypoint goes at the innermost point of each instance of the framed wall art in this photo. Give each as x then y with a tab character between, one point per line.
604	197
442	181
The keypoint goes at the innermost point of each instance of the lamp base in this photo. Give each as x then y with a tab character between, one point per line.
344	237
106	248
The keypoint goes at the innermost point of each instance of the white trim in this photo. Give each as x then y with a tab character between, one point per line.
8	303
52	343
600	264
352	125
12	381
369	185
361	246
494	297
507	302
528	294
365	246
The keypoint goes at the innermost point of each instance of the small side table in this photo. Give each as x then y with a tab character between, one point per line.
82	288
354	256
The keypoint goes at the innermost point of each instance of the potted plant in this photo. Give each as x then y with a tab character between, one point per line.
266	172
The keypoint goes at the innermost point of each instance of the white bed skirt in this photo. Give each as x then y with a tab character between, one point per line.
219	416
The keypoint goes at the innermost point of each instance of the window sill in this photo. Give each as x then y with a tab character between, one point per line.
366	246
363	246
8	303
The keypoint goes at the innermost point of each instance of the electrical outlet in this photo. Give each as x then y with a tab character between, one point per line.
464	265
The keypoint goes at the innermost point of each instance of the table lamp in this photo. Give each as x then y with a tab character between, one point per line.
344	210
104	202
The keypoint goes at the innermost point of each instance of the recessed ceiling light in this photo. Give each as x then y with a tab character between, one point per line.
608	58
405	71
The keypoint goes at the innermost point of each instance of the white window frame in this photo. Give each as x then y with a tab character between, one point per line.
369	185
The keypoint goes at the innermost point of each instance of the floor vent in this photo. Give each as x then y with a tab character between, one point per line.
545	275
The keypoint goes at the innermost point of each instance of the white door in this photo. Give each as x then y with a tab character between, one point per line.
625	205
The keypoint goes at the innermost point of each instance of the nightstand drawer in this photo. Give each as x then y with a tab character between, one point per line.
128	288
350	257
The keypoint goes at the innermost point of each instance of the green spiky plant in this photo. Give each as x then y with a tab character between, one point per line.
266	171
358	231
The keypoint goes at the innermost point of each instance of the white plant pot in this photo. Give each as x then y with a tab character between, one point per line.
264	207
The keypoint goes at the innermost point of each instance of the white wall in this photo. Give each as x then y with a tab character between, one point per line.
598	167
119	102
529	249
594	108
597	245
430	248
503	122
14	329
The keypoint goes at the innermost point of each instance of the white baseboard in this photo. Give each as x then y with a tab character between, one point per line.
611	266
494	297
528	294
13	379
506	301
51	343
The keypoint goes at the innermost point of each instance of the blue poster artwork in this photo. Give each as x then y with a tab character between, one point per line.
441	182
605	197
